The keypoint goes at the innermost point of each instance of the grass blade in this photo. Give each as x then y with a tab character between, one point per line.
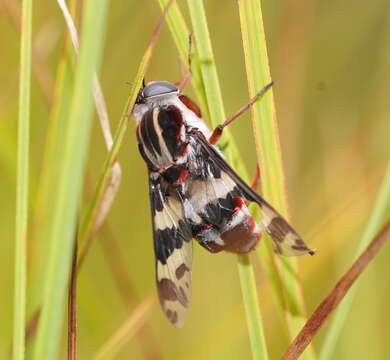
70	174
381	210
180	33
327	306
252	308
59	113
217	114
87	227
116	171
269	156
22	184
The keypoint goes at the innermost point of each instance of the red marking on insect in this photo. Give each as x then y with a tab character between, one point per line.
252	224
204	228
190	105
183	176
239	202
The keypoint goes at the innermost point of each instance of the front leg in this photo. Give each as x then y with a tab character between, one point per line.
186	77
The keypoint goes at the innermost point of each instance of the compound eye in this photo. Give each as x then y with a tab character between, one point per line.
158	88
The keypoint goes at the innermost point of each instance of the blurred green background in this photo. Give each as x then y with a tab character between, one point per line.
330	61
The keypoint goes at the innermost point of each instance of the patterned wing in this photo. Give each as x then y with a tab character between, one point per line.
173	250
220	219
286	239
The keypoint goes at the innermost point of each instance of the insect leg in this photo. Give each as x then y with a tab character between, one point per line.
255	181
184	81
256	178
215	136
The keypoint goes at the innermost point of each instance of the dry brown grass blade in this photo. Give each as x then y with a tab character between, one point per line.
329	304
72	309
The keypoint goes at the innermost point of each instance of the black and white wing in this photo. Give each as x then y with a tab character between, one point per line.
286	239
173	249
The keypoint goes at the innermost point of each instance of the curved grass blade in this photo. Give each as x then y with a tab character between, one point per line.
329	304
381	210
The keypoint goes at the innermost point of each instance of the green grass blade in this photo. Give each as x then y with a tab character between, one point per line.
70	175
252	309
22	184
378	216
53	148
217	114
207	64
211	81
180	33
86	226
269	155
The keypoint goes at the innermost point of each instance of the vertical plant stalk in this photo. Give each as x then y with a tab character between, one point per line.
217	114
22	183
381	209
284	272
70	175
252	309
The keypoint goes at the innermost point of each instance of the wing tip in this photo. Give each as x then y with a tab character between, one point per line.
178	323
298	248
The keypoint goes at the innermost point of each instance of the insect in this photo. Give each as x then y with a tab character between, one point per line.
194	193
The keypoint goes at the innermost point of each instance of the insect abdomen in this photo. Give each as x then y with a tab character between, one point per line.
220	218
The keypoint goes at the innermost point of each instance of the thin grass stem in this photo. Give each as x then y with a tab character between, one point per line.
22	184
